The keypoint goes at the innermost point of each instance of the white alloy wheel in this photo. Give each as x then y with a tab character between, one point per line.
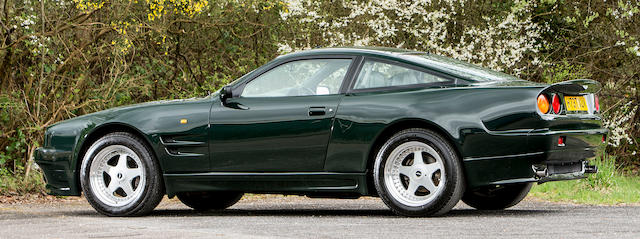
414	173
117	176
417	173
120	176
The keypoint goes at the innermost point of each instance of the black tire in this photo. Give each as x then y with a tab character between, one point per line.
204	201
497	198
454	184
153	190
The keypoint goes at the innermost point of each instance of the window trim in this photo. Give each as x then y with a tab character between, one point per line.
451	79
270	66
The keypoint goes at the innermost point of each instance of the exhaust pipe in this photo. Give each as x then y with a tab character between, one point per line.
540	170
556	172
590	168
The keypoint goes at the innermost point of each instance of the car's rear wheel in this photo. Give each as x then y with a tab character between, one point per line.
496	197
120	176
203	201
418	173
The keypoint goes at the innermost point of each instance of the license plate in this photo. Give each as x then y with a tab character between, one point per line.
576	103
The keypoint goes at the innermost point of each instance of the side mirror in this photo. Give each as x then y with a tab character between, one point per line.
226	93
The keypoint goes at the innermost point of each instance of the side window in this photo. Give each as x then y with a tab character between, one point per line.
378	74
298	78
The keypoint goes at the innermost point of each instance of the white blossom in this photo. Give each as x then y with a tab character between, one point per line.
498	44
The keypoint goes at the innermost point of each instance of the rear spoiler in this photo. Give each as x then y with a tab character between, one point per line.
576	87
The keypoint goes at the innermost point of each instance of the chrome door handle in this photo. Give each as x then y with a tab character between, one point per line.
317	111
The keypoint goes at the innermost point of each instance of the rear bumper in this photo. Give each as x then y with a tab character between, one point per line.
566	160
577	144
59	177
546	161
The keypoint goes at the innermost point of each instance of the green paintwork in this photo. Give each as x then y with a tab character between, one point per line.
272	135
273	145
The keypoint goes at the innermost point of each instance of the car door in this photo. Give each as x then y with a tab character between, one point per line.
282	119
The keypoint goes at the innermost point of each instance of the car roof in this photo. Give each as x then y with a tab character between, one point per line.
353	51
430	61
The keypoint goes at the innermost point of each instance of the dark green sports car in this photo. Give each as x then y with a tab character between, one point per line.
418	130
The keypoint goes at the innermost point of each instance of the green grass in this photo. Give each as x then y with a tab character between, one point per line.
607	187
625	191
11	185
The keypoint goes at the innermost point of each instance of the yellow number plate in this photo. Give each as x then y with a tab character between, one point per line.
575	103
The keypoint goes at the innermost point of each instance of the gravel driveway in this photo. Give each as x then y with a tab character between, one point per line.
295	217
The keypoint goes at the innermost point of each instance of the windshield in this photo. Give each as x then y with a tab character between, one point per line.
461	68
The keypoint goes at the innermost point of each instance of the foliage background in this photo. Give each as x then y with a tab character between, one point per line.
64	58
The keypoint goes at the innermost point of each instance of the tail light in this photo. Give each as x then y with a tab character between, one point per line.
597	103
555	103
561	141
543	103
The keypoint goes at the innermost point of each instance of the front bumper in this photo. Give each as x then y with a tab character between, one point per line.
58	175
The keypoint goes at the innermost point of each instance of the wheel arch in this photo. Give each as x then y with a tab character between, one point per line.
100	131
397	126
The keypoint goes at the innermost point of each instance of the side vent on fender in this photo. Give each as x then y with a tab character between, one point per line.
183	145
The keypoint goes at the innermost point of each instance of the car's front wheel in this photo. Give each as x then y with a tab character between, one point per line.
120	176
203	201
496	197
418	173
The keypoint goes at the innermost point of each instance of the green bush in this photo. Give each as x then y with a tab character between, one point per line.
11	184
564	71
